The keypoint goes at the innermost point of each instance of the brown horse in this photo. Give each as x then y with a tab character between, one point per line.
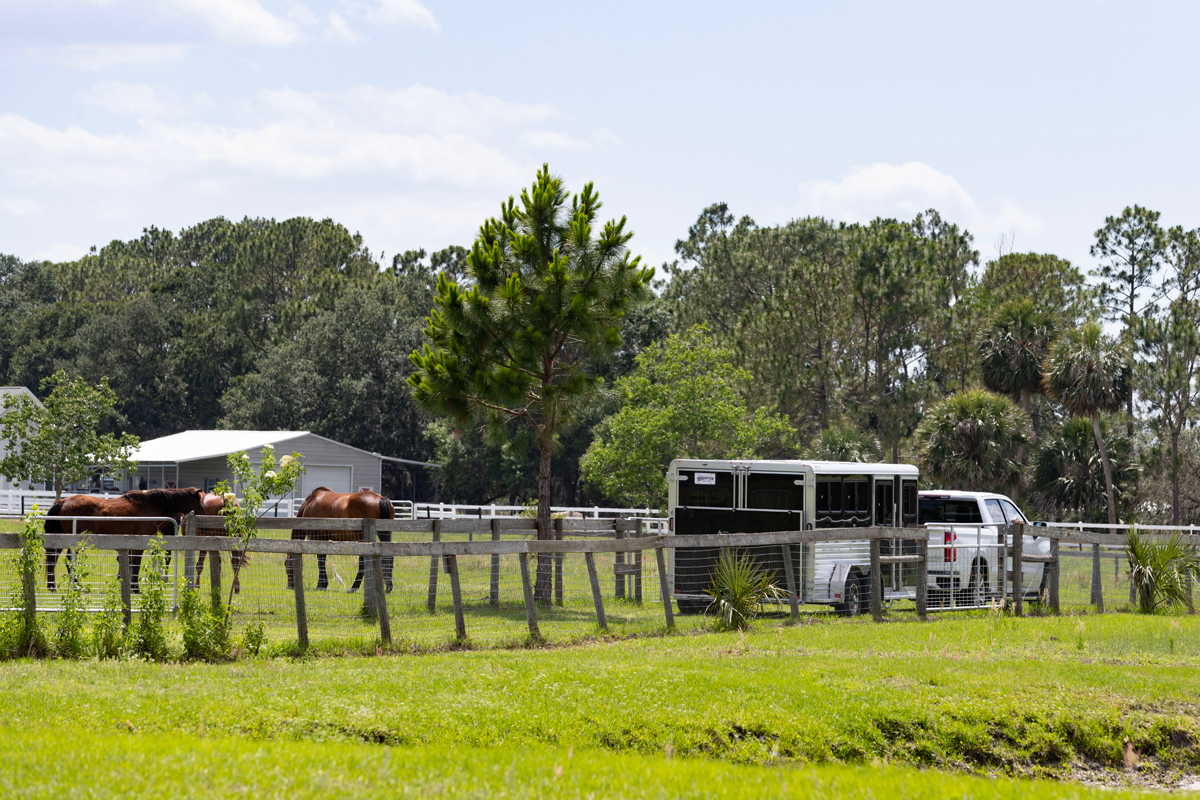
173	503
326	503
213	503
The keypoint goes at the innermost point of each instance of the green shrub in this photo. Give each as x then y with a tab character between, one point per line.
1162	571
108	632
253	638
69	639
206	627
149	637
22	636
739	589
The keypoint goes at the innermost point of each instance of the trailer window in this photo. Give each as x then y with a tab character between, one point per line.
829	497
706	489
775	491
884	502
908	503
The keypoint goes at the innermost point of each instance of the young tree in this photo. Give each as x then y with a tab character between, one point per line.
681	402
971	440
1131	249
547	299
60	443
1087	372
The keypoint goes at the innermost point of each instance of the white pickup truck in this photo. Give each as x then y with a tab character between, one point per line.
964	547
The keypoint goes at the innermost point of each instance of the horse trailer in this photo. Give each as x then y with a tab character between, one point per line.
729	496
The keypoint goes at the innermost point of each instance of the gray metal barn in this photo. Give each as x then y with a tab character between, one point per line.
199	458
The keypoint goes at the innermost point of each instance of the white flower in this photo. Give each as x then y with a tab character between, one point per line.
246	456
269	474
268	447
283	462
229	497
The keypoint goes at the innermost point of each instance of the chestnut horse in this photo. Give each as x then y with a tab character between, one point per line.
326	503
173	503
213	503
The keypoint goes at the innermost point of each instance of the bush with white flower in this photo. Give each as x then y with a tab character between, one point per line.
271	480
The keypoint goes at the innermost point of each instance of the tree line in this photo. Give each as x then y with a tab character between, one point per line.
889	340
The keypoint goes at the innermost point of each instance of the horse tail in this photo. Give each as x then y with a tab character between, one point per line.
53	525
386	509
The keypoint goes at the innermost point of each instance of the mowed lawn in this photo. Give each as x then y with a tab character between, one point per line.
955	707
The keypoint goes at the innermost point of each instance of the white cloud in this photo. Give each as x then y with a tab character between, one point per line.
394	12
20	206
905	190
240	21
144	102
339	29
60	252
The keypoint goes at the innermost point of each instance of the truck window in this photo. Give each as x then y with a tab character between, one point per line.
1012	512
951	510
994	510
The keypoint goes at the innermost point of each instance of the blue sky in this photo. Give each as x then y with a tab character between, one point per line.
410	121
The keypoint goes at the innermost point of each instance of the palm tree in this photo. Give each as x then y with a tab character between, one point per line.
1013	348
1088	373
971	440
1068	474
847	443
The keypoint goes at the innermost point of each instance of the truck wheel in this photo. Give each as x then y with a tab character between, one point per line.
978	587
853	595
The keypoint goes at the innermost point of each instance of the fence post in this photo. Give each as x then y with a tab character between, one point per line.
301	606
597	598
664	587
923	580
1052	581
431	600
637	562
619	563
1018	550
126	586
558	564
530	608
1132	588
29	582
789	574
189	556
371	534
876	582
460	624
1097	585
494	585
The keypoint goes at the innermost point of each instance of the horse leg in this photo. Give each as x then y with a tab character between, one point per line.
287	568
200	567
235	563
51	561
362	570
322	576
135	567
386	536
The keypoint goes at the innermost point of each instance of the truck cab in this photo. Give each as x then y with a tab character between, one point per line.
965	547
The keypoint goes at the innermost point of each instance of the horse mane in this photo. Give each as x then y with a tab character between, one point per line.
164	502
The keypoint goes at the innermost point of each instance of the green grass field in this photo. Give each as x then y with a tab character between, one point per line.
833	706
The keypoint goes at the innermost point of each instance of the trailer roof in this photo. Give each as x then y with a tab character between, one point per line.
792	465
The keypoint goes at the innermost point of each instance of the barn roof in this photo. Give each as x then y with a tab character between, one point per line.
195	445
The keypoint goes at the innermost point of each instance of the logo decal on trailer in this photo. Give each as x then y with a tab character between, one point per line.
706	479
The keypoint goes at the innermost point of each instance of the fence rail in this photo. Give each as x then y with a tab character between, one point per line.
624	542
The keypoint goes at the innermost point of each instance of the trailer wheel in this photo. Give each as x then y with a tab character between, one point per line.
692	606
853	595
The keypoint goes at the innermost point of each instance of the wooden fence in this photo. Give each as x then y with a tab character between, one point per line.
624	538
